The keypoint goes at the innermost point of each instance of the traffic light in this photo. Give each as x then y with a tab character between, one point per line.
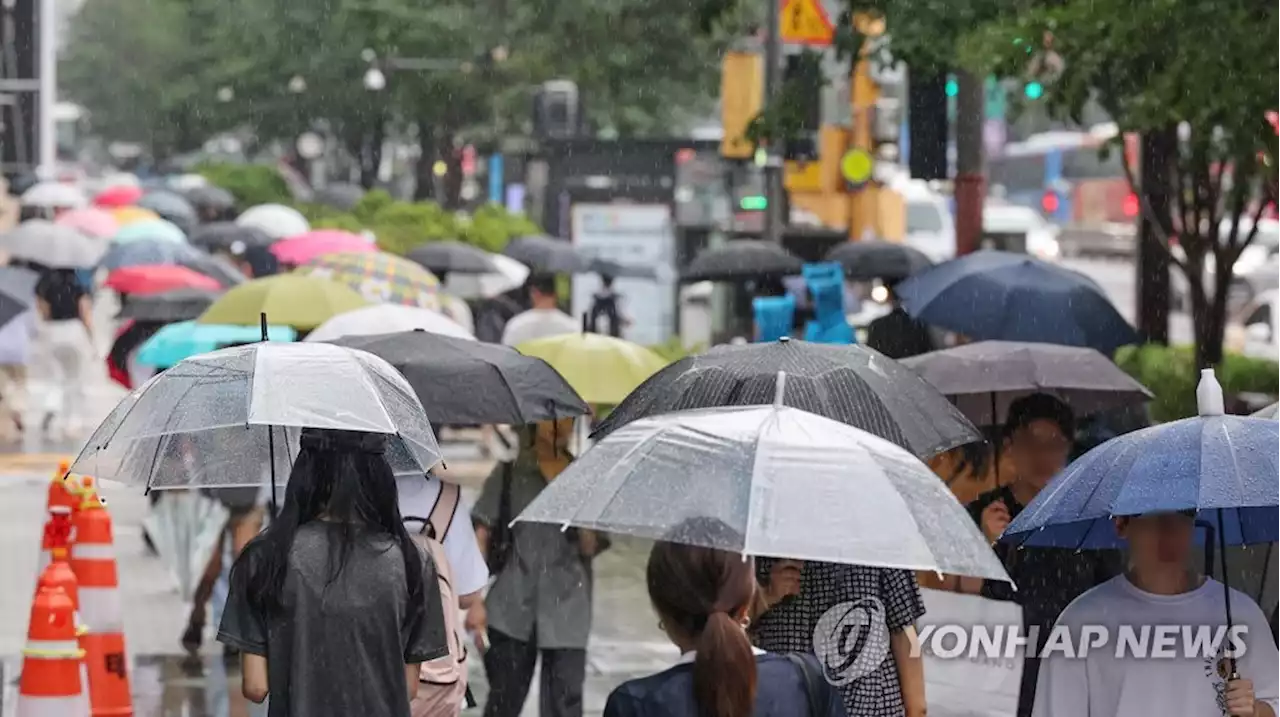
1033	90
557	110
953	87
753	203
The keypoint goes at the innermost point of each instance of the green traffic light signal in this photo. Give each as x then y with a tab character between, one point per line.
1033	90
753	204
953	88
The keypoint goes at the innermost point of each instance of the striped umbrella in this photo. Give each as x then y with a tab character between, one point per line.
380	278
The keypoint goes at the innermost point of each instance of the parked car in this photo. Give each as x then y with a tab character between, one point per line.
1016	228
930	227
1253	332
1255	270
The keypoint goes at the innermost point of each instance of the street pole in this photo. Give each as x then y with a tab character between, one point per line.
773	165
970	185
1158	148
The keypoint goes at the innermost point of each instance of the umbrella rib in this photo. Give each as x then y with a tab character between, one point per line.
642	447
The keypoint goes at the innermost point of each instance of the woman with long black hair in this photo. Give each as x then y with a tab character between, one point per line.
334	607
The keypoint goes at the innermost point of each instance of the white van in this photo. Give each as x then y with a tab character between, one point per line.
929	224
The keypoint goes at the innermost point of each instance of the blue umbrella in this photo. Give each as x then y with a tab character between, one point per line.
996	295
150	253
150	230
183	340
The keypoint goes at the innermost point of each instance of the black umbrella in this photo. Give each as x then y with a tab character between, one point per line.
878	259
604	267
739	260
169	306
171	206
211	198
846	383
452	257
17	292
340	196
544	254
466	382
229	237
983	378
129	340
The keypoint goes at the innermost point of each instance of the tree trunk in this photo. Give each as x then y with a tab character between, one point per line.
424	180
1208	315
1158	150
371	157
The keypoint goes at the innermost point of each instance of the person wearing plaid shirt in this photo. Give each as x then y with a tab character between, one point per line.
792	599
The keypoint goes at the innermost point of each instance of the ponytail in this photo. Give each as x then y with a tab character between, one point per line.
724	670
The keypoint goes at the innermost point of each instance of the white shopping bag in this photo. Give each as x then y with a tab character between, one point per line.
972	683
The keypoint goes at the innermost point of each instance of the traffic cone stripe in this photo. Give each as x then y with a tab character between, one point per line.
93	551
52	649
52	706
100	609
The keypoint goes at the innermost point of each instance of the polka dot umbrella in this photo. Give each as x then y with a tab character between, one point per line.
380	278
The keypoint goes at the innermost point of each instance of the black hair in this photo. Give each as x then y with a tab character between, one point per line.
606	281
544	284
1040	407
345	476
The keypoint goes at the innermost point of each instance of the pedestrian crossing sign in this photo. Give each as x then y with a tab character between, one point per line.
805	22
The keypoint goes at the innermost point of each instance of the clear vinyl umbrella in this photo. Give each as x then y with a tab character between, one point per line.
238	413
787	483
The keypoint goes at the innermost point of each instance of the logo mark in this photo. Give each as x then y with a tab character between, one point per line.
851	640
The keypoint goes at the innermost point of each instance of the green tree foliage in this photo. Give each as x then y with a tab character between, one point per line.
250	184
1172	375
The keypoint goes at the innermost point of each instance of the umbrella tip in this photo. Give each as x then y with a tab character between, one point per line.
784	339
1209	398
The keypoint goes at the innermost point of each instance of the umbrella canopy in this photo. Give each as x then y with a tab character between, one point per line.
186	528
509	275
1013	297
387	319
232	418
1268	412
340	195
171	206
378	277
878	259
453	256
604	267
302	302
462	381
17	292
119	195
51	245
149	252
176	342
788	483
602	369
166	307
228	237
130	334
303	248
153	230
155	279
219	268
90	221
276	220
987	374
54	195
741	259
125	216
547	255
850	384
210	197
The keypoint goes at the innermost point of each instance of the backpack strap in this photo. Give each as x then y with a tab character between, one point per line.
812	683
443	511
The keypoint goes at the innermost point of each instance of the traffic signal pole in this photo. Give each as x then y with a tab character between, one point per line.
970	184
773	166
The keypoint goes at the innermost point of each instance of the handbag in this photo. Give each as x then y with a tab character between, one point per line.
501	540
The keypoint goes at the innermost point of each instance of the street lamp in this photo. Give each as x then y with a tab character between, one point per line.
374	80
226	94
298	84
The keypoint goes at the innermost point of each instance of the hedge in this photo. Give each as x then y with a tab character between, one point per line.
1172	375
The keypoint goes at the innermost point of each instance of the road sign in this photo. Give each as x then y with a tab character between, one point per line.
856	166
805	22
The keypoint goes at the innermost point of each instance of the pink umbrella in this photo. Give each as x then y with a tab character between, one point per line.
90	221
122	195
304	247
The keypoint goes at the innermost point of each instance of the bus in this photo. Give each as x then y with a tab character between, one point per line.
1066	178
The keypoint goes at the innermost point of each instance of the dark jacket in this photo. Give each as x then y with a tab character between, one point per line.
780	692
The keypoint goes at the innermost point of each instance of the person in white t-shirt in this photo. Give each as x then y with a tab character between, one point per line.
417	497
1172	675
544	319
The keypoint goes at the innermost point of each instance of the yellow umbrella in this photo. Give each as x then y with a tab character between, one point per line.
132	215
302	302
602	369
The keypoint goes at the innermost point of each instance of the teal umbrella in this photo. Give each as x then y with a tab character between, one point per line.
150	230
185	339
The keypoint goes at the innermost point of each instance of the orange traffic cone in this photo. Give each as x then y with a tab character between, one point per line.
57	534
94	561
62	488
51	666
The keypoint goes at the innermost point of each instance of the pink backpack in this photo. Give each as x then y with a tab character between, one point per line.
442	687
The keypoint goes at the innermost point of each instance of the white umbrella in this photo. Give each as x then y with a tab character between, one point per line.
51	245
387	319
185	527
782	482
276	220
55	195
510	275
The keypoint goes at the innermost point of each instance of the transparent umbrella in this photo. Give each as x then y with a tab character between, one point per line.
788	483
238	413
